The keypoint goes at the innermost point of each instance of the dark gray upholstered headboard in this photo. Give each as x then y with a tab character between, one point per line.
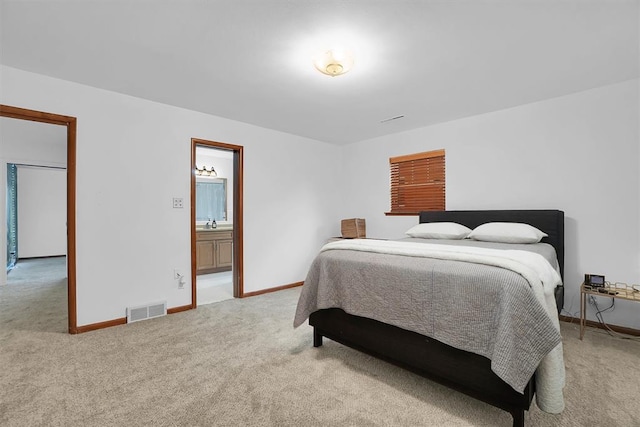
549	221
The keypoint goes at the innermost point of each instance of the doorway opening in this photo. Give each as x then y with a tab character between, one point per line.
216	221
69	200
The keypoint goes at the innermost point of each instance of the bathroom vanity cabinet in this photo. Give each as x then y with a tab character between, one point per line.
214	250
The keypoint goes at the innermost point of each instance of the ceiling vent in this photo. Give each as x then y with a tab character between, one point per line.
144	312
392	118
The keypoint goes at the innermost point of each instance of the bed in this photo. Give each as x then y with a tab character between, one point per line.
420	348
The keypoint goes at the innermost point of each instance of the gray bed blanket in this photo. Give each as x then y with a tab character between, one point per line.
479	308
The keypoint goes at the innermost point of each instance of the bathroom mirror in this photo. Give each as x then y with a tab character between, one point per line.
211	199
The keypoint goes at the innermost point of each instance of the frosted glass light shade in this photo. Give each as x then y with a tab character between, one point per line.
334	62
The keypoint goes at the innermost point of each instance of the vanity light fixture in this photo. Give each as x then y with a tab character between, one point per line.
334	62
206	172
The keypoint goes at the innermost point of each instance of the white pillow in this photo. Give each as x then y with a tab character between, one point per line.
507	232
439	230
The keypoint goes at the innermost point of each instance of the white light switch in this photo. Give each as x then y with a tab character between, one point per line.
178	202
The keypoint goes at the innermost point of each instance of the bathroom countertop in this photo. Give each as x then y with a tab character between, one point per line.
219	228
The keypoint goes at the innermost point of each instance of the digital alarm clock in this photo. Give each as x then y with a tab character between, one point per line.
594	280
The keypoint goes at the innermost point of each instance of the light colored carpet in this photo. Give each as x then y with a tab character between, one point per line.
35	297
240	363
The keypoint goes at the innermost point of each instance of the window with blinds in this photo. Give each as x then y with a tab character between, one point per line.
417	183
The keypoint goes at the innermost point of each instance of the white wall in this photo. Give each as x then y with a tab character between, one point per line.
42	212
27	142
129	238
32	143
578	153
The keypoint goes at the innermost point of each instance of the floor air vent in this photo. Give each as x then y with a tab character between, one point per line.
143	312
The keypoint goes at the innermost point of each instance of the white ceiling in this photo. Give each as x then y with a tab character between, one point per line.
431	61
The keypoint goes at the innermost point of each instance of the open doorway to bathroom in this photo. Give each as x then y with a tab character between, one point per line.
216	216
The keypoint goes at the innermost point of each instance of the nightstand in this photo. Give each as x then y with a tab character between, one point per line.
335	239
615	291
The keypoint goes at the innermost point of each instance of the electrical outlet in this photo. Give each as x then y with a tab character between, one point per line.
177	275
178	202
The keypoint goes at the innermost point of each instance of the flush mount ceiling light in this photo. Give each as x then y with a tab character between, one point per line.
334	62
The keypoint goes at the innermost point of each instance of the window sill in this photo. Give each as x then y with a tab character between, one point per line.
402	213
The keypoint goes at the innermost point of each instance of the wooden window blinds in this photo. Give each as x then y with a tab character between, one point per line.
417	183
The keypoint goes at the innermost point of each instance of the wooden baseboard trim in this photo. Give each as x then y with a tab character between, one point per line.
269	290
123	320
174	310
42	257
101	325
594	324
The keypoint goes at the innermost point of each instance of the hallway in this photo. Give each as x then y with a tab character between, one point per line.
35	297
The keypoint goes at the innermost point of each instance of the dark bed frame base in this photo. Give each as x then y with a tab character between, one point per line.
460	370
